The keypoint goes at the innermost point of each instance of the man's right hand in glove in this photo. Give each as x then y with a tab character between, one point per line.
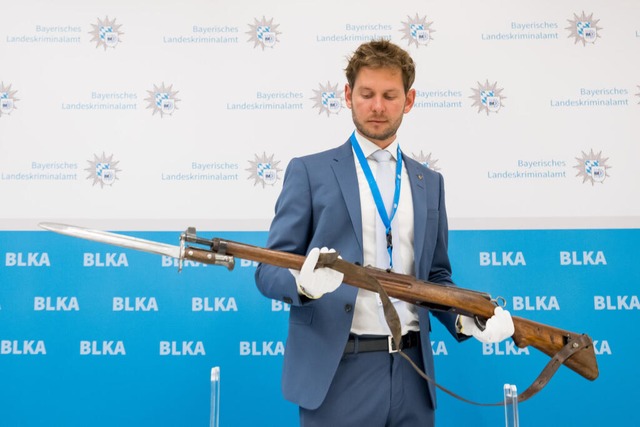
312	282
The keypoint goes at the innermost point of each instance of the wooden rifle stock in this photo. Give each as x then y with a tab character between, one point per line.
547	339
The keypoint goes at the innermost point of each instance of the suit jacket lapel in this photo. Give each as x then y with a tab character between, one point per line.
419	196
345	171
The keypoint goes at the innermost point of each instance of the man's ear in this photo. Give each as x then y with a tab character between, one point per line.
347	95
410	99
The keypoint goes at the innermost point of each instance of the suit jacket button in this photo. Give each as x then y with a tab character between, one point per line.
287	300
348	308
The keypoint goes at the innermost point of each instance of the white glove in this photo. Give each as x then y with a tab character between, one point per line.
312	282
498	327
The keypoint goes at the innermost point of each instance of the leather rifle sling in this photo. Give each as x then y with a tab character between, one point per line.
393	321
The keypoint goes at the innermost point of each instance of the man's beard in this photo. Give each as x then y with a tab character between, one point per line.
382	135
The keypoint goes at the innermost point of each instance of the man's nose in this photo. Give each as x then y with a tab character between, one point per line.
378	104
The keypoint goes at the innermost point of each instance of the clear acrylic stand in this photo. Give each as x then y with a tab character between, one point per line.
511	406
214	418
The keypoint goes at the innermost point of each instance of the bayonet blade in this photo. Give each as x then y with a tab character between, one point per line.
114	239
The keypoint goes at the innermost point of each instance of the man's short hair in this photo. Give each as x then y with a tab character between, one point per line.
381	54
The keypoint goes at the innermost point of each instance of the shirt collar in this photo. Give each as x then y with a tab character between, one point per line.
368	147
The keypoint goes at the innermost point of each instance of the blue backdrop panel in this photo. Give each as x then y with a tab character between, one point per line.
92	334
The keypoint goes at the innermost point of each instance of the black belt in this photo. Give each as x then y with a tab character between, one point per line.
357	344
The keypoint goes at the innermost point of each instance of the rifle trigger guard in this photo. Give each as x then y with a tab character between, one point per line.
480	323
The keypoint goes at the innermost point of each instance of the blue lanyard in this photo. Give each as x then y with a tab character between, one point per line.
377	197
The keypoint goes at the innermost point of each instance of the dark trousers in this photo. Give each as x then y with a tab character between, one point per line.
374	389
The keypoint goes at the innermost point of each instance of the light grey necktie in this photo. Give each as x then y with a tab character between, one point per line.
385	178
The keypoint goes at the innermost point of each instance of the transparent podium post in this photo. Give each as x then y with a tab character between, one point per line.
214	418
511	406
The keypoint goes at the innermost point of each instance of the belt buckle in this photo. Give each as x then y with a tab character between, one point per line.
391	345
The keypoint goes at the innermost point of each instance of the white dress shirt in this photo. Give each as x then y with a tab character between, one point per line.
368	317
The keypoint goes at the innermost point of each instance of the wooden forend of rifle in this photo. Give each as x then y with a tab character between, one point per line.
547	339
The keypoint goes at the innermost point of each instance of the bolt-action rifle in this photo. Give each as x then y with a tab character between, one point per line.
574	350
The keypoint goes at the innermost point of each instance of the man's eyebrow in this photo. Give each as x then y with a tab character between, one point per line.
363	88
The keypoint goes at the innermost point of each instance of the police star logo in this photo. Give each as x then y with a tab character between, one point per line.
592	167
263	33
106	33
488	97
584	29
426	160
328	99
264	170
103	170
162	100
7	99
417	31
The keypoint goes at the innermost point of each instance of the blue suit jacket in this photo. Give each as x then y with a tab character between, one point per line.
320	206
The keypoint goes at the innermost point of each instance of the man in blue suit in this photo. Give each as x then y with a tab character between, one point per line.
338	364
